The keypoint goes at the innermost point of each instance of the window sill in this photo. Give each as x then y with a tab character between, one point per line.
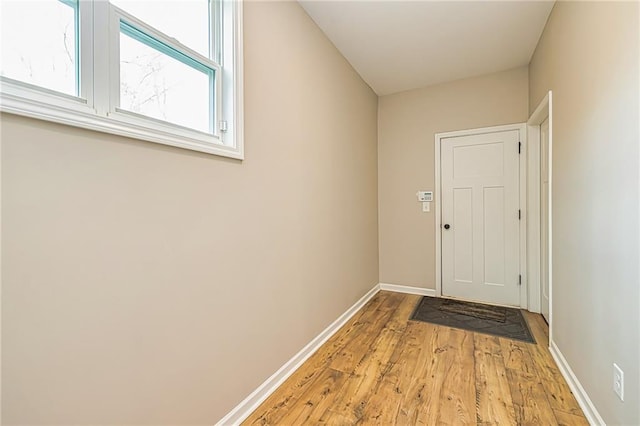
121	124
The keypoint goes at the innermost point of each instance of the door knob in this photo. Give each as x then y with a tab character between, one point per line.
447	226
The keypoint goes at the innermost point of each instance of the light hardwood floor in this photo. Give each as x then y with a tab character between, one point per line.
382	369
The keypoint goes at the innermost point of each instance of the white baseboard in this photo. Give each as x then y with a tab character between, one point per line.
257	397
408	289
581	395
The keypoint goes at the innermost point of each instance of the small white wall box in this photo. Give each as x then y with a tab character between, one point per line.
425	196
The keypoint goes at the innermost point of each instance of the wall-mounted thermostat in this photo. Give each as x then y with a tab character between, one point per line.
425	196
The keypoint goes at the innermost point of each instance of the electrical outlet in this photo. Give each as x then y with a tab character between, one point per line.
618	381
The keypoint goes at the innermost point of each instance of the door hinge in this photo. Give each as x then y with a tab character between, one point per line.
519	214
519	279
519	147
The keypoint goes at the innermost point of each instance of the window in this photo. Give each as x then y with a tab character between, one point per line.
49	59
167	72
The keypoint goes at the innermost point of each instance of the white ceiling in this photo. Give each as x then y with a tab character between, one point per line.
400	45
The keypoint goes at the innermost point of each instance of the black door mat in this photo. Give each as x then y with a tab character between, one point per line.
476	310
495	320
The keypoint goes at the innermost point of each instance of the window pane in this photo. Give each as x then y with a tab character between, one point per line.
157	85
185	20
39	43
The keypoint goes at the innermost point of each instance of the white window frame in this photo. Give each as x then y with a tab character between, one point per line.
96	107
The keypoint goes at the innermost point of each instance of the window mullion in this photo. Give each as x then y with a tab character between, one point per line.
105	41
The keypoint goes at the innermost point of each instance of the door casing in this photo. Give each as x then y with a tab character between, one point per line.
522	128
544	219
542	111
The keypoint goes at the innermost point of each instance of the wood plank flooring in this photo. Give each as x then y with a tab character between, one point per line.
382	369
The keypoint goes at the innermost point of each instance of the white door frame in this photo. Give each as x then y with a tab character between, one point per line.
522	128
543	110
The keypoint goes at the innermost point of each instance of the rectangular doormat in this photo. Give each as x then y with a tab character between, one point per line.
495	320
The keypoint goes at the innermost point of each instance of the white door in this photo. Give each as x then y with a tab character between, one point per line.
544	218
480	217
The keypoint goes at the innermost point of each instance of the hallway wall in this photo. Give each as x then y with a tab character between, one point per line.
407	123
144	284
589	56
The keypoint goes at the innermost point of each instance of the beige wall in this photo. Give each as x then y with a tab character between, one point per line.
144	284
407	123
588	56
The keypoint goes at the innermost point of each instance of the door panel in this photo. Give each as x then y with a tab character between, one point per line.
494	244
463	237
480	201
466	164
